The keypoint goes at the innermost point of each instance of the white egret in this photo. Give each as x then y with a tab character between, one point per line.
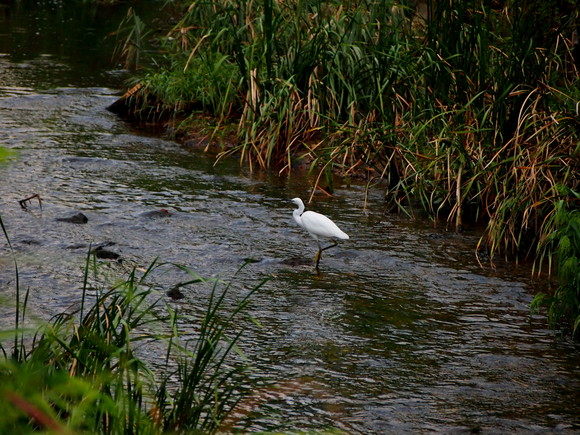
318	226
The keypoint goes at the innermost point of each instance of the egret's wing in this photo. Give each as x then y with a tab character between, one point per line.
320	226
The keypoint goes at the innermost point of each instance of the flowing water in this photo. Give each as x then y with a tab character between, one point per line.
402	332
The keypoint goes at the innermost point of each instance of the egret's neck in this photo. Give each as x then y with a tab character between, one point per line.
297	214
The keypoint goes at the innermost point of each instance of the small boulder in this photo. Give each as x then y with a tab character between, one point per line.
78	218
175	294
105	254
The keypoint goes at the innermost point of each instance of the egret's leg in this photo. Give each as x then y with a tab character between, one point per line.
328	247
318	257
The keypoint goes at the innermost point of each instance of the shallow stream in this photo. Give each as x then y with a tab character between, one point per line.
402	332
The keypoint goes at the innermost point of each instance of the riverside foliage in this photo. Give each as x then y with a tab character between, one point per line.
470	109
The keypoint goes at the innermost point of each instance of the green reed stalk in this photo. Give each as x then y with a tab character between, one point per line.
132	36
18	349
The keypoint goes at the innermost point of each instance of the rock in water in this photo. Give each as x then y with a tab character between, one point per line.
105	254
175	294
78	218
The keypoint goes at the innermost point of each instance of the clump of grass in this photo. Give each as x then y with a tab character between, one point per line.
88	370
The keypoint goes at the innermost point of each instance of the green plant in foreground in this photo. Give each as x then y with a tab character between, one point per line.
91	371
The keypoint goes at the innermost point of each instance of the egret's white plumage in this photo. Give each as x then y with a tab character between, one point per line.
318	226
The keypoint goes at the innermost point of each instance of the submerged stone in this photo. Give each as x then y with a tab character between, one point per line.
105	254
297	261
156	213
78	218
175	294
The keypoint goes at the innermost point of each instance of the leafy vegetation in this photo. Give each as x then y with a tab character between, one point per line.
563	243
89	370
468	109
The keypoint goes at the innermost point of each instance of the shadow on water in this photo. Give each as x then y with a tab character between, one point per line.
401	332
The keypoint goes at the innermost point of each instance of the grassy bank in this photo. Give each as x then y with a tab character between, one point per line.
469	109
124	361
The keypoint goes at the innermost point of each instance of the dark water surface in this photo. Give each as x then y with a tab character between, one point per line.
402	333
